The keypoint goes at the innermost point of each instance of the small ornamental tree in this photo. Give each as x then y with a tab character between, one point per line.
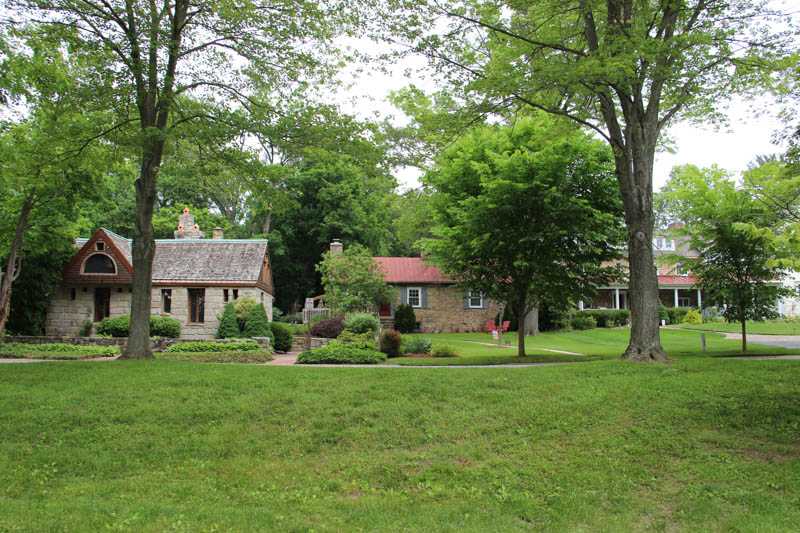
257	324
353	281
228	328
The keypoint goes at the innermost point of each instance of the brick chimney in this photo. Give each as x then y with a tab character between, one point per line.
187	229
337	248
217	233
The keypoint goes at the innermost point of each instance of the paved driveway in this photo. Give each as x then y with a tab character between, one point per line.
791	342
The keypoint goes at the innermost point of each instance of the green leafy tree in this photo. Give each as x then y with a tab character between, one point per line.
228	327
736	269
353	281
620	68
153	53
522	216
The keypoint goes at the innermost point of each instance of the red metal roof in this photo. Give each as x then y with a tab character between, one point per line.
676	280
410	270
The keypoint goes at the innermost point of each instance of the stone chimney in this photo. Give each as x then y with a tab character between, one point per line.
217	233
187	229
337	248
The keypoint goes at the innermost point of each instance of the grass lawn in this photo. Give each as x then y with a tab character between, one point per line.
700	444
603	343
768	327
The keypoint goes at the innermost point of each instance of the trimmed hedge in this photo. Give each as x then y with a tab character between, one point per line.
20	350
607	318
218	357
207	346
337	353
160	326
283	336
583	322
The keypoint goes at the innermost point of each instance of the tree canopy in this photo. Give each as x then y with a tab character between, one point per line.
526	213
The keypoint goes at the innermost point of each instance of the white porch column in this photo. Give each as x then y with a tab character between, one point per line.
616	298
580	305
676	297
699	299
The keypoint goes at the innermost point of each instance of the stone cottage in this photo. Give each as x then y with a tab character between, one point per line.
439	305
193	279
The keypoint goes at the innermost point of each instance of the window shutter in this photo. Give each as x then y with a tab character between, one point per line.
392	314
424	297
466	299
485	303
403	295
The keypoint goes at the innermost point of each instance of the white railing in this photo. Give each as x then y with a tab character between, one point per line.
308	314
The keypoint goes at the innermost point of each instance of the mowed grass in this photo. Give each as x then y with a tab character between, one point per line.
696	445
605	343
767	327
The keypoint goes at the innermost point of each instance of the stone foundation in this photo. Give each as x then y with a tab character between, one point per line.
299	344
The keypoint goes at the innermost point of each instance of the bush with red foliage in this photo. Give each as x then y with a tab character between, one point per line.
330	328
390	343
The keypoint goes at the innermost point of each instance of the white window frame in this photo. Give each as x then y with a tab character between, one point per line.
662	243
681	270
419	296
684	300
479	297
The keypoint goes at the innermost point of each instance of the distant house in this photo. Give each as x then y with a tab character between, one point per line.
193	279
439	305
676	285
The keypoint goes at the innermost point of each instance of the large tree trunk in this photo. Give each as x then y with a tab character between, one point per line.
138	346
14	264
531	322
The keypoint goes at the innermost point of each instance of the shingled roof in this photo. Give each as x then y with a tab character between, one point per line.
199	261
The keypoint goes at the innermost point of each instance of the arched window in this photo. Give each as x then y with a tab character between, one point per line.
99	264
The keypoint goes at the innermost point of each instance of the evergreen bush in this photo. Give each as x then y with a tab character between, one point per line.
282	336
164	326
405	321
338	353
390	342
676	314
228	327
662	314
160	326
242	307
692	316
257	324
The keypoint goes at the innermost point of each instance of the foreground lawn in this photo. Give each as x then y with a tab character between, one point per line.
696	445
768	327
602	343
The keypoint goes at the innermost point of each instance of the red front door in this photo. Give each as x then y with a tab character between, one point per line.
385	310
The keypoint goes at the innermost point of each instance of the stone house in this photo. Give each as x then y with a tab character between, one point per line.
193	279
439	305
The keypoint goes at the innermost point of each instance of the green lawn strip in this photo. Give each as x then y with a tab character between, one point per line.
18	350
609	343
699	444
768	327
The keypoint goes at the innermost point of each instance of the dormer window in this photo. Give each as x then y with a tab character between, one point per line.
99	264
99	246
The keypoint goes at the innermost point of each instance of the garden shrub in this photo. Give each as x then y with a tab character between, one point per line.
607	318
362	323
405	321
444	350
551	318
114	327
208	346
416	344
348	336
164	326
338	353
581	322
283	336
19	350
390	343
663	316
228	326
160	326
242	307
692	316
329	328
257	324
676	314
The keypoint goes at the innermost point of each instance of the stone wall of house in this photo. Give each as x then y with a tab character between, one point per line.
65	316
157	345
445	311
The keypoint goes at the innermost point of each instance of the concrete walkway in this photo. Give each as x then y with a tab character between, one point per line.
791	342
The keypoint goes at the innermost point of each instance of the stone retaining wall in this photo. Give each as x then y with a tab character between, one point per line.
157	345
299	344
